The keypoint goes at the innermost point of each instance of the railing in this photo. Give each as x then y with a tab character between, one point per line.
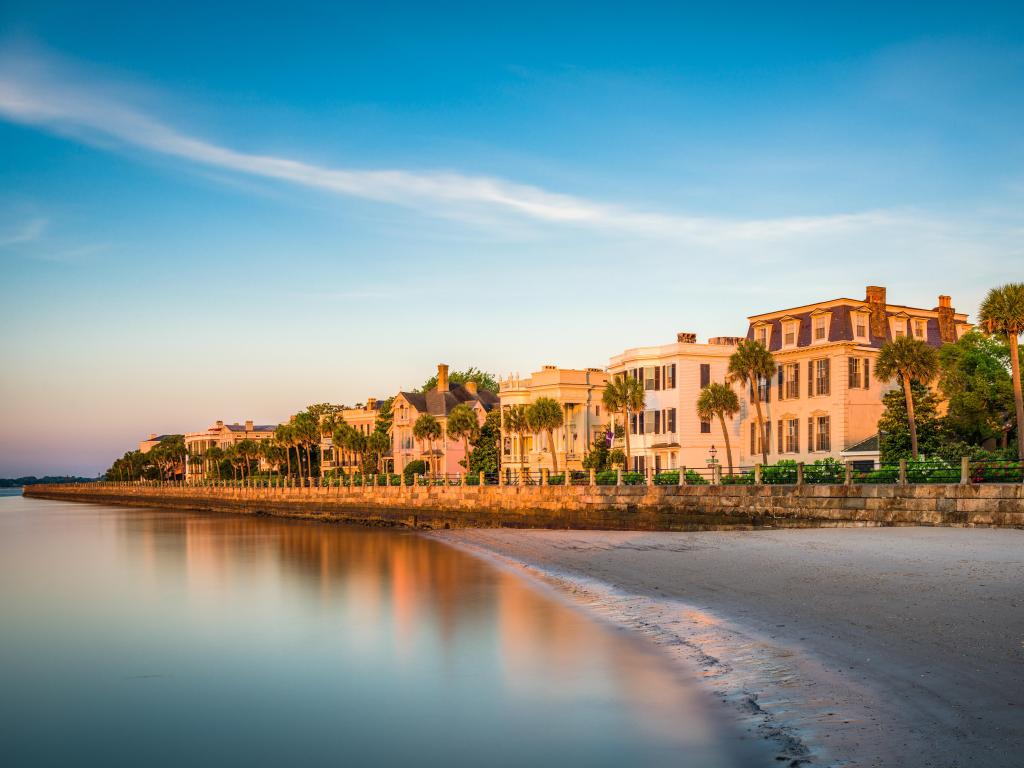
822	472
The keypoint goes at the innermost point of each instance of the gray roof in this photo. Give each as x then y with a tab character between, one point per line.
868	445
256	427
441	403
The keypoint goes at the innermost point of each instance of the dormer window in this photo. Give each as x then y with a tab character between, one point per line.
763	334
919	329
790	331
860	326
820	320
819	328
898	325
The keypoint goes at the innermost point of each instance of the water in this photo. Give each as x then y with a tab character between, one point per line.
146	637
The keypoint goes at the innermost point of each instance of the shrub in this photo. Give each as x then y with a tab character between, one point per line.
633	478
556	479
825	471
743	478
931	471
779	474
666	478
414	468
996	472
608	477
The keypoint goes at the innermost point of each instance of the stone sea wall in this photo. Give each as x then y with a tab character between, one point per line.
647	508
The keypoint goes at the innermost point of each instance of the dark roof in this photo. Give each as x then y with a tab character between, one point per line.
840	328
864	446
255	428
156	439
441	403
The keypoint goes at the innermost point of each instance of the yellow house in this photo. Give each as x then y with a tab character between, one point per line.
363	419
825	398
579	392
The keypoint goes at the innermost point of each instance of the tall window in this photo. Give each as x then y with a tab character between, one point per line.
900	328
919	329
819	328
670	376
705	427
755	444
792	374
789	337
670	417
649	377
705	374
764	389
821	377
860	373
649	426
860	326
854	371
762	335
823	437
792	436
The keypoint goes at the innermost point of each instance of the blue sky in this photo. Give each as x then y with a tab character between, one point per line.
232	213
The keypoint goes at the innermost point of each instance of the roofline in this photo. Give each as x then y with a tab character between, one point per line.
843	300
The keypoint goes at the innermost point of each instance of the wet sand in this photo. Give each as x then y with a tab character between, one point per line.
847	647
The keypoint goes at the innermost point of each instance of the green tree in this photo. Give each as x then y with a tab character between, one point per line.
377	446
545	415
517	423
908	360
749	365
719	401
894	439
484	455
427	429
624	395
1002	313
974	377
598	455
483	379
463	425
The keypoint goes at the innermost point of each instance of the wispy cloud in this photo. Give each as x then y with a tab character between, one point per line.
27	232
41	91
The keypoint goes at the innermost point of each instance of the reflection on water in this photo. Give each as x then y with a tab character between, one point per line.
146	637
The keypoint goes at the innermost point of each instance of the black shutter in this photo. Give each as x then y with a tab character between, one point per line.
810	378
705	374
782	392
867	375
780	443
810	433
828	376
851	366
657	377
657	422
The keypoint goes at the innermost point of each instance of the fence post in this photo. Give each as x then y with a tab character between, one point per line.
716	474
758	479
848	479
618	476
593	476
544	476
965	471
799	473
649	479
903	472
501	475
483	479
682	475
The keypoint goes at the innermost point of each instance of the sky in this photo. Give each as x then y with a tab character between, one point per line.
232	212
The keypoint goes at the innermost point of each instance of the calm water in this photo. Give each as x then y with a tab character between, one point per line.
143	637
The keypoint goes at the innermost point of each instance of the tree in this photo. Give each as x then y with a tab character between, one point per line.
247	450
545	415
284	434
484	456
427	429
624	394
749	365
718	401
307	433
517	423
483	379
894	441
272	453
377	444
463	425
597	457
974	377
1002	312
340	439
215	458
908	360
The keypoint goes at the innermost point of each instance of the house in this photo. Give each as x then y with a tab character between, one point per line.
223	436
363	419
445	453
824	399
578	392
668	434
151	442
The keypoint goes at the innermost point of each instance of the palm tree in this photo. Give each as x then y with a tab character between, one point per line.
247	450
1002	312
749	365
545	415
215	456
907	359
341	438
463	424
427	428
719	400
283	436
624	394
517	423
307	427
378	444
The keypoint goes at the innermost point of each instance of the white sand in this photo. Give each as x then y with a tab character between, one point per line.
866	647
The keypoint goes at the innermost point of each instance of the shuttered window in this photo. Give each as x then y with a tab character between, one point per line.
705	374
671	419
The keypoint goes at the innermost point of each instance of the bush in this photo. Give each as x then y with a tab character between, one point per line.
782	473
884	474
825	471
556	479
666	478
633	478
932	471
608	477
996	472
414	468
743	478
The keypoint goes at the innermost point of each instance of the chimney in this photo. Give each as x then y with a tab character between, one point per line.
470	387
371	403
442	377
248	425
220	423
875	299
686	338
947	325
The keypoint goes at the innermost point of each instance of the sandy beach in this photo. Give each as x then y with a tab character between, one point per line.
847	647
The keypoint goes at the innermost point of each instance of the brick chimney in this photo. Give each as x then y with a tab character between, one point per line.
371	403
879	316
470	387
442	377
684	337
220	423
248	425
947	325
152	436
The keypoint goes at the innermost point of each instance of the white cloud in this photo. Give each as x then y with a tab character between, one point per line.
37	90
28	232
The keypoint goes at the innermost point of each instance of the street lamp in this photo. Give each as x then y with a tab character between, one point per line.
712	460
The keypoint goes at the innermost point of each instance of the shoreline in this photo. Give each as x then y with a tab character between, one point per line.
827	684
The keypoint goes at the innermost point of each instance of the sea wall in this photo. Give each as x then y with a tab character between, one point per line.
648	508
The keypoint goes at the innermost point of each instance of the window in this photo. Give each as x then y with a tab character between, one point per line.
899	328
823	433
854	371
670	376
789	335
764	390
670	415
859	373
792	374
649	377
819	328
649	427
821	377
705	374
762	335
793	436
860	326
755	444
705	427
919	329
